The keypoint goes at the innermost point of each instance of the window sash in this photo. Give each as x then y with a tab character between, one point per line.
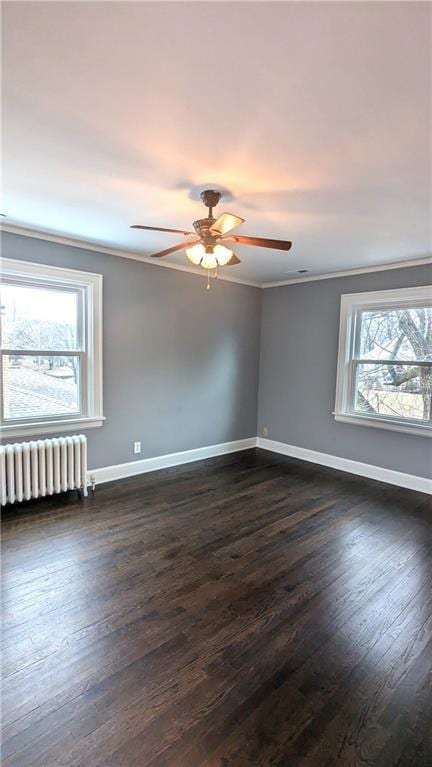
357	360
357	325
412	363
381	416
82	388
28	282
79	351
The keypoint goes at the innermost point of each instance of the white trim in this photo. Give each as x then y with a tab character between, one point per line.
395	297
398	478
49	427
407	427
350	306
74	242
351	272
39	234
132	468
90	287
17	267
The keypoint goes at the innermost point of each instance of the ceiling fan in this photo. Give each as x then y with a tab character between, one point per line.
206	249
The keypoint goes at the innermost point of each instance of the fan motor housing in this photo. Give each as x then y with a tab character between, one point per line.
202	227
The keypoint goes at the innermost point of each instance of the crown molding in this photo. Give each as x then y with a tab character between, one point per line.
40	234
351	272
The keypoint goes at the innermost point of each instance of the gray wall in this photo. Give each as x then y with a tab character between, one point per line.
180	362
299	339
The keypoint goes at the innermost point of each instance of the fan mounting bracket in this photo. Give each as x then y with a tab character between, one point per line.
210	197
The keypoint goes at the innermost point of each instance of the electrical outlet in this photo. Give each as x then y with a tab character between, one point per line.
137	447
265	431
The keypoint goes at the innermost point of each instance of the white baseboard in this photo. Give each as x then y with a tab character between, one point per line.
398	478
131	469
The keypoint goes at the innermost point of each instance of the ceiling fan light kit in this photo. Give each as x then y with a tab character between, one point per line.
207	249
210	256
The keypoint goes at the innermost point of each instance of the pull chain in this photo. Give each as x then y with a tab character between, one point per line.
208	279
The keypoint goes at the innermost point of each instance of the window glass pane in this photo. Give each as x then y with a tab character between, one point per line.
402	334
39	318
402	391
36	386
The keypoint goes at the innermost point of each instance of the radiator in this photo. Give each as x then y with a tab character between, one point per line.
43	467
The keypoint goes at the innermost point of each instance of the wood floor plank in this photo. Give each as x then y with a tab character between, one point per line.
246	610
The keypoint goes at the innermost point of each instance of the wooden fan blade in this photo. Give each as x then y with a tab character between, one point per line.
161	229
226	223
180	246
233	261
262	242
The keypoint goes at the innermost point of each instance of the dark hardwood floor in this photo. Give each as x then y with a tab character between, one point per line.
247	610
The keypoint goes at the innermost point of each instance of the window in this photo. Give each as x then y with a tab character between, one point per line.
51	349
384	375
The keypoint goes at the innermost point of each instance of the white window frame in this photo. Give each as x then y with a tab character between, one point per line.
351	306
89	287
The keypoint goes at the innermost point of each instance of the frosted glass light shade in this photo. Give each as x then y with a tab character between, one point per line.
196	253
223	254
209	261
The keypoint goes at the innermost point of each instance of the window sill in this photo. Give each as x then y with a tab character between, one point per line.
384	423
33	429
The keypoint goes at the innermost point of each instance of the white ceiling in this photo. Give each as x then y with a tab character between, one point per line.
316	116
